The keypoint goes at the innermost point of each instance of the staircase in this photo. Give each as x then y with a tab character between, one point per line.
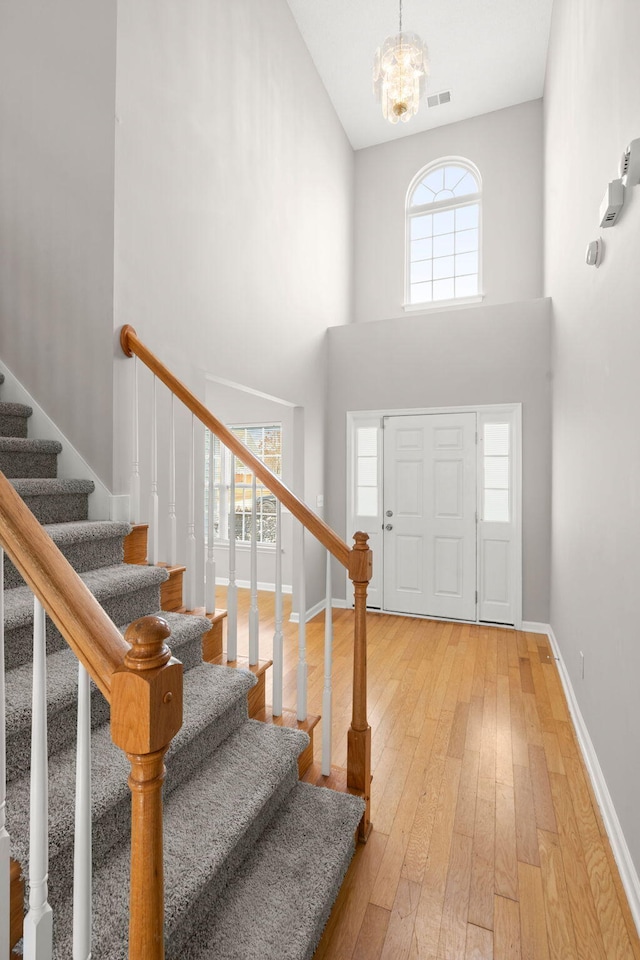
253	858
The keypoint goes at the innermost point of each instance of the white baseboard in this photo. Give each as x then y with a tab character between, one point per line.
530	626
318	608
310	614
71	465
626	866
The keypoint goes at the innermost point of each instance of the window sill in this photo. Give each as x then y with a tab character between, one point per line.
441	304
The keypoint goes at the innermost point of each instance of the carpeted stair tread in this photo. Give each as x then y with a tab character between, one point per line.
103	583
8	409
79	531
24	445
20	457
62	692
50	486
211	822
282	895
53	500
214	704
13	419
87	545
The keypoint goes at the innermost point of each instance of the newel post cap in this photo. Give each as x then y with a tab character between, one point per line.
360	559
146	692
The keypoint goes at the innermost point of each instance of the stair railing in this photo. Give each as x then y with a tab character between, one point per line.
143	685
356	560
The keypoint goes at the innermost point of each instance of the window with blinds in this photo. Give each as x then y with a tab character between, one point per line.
367	471
496	473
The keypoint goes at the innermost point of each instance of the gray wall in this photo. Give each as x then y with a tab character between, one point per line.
592	110
234	208
507	148
468	356
57	97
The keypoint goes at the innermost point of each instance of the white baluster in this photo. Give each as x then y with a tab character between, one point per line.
82	840
302	634
254	615
191	525
135	468
4	836
173	525
153	496
210	578
38	923
278	658
232	590
327	693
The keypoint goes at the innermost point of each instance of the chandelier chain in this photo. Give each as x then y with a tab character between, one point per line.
400	30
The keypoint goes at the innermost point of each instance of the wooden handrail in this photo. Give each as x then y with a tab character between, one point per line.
356	560
94	639
132	345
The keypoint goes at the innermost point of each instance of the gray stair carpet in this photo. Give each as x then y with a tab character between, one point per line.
253	858
86	544
20	457
13	419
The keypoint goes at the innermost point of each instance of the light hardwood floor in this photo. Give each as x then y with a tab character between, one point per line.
487	841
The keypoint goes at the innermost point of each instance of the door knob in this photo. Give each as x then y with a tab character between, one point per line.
389	526
389	513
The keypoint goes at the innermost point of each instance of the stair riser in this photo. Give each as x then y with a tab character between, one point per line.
121	609
35	465
13	426
178	937
82	556
58	508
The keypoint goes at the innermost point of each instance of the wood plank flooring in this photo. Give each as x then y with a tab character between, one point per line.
487	841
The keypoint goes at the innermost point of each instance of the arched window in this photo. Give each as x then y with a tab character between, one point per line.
443	233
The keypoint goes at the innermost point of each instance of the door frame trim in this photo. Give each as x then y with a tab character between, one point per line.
514	410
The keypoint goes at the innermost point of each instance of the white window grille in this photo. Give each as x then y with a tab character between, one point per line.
444	233
265	442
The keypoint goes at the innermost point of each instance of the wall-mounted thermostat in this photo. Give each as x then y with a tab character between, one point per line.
612	203
630	164
594	253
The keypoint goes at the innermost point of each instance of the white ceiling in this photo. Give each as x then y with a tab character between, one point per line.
489	53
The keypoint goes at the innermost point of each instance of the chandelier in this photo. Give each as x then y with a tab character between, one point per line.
400	69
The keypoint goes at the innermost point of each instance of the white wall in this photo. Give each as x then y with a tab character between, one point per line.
57	97
478	355
234	195
592	110
506	146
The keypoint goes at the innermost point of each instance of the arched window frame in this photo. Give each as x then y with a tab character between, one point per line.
434	207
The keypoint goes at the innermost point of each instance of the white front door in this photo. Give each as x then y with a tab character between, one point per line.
430	515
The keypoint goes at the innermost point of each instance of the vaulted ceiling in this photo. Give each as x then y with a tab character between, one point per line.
489	53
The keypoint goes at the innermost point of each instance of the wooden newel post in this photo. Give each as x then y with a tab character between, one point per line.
146	713
359	736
